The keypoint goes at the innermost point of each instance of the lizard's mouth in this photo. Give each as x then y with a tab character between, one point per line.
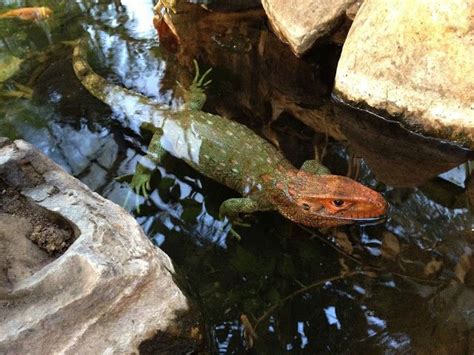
363	221
370	220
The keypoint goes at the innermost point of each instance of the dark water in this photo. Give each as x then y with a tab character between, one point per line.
405	286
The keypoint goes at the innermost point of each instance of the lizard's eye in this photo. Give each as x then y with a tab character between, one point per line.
338	203
306	207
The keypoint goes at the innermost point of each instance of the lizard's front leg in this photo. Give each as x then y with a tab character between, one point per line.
314	167
233	207
141	179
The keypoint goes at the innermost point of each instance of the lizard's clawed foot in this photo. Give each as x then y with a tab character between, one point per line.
139	183
234	234
195	96
199	80
234	220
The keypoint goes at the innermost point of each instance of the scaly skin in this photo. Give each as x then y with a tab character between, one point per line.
235	156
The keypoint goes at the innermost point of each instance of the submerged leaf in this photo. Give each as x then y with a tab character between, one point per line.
464	265
432	267
390	246
343	242
249	332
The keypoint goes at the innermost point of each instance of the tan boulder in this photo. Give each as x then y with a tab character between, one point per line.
301	22
413	60
78	275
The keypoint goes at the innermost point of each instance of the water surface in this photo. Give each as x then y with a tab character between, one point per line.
401	287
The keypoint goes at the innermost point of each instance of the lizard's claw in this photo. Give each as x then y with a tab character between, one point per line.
141	182
239	222
235	234
234	219
198	81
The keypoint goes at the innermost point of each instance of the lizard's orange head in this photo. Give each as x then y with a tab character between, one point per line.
332	200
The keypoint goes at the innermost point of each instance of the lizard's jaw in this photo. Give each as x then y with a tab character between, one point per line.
370	221
363	221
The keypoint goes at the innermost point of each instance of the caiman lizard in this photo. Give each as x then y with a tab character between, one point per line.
233	155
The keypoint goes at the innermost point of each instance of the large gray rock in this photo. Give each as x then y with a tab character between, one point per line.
302	22
413	59
78	276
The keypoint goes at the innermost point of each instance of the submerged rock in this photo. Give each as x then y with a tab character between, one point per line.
301	23
413	61
397	156
77	269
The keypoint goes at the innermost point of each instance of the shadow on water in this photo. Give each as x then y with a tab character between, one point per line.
405	286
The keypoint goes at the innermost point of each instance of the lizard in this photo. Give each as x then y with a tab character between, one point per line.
234	155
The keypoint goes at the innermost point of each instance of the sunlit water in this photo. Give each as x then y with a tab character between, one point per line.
402	287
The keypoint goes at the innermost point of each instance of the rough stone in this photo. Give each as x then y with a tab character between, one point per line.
302	22
413	60
110	291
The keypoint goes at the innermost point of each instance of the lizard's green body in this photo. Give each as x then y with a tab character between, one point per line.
235	156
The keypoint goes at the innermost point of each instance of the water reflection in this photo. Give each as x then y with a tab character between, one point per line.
412	295
140	19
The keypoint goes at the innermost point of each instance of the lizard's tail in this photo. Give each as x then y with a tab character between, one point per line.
117	97
95	84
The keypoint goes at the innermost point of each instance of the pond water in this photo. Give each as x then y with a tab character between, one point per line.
405	286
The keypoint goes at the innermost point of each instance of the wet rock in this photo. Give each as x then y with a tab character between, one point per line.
109	291
396	155
409	60
303	22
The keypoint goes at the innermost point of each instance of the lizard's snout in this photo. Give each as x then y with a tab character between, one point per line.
376	213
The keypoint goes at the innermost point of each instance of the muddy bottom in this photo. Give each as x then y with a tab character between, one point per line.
47	230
